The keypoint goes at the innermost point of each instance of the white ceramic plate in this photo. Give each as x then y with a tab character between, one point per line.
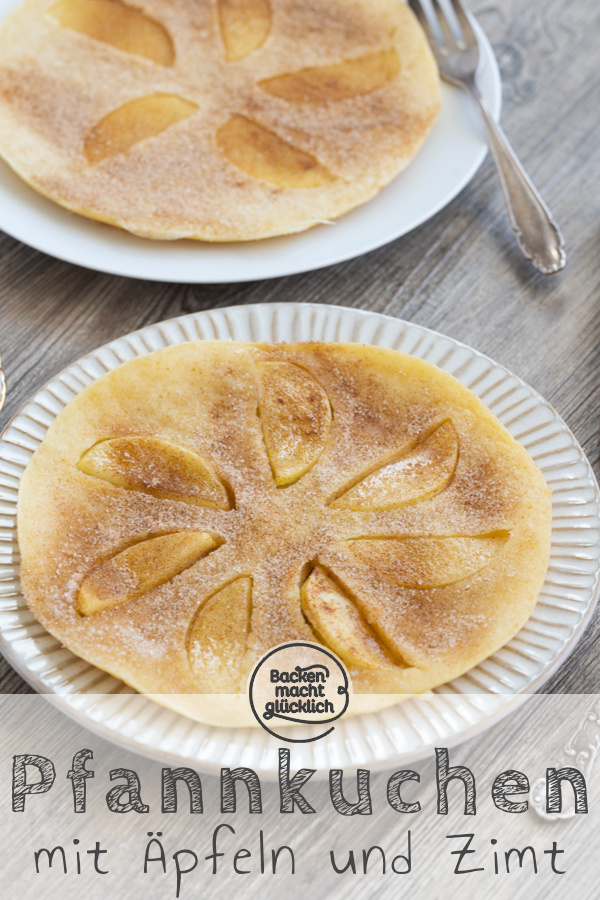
401	733
447	162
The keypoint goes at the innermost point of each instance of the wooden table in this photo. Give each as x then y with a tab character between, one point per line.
460	273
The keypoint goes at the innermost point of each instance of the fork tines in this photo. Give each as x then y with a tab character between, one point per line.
433	16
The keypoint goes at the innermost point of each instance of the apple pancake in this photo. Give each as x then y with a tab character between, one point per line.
200	505
220	120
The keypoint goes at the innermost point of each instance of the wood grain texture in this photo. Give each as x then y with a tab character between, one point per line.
461	273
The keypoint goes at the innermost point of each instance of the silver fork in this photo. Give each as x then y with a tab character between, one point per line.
455	47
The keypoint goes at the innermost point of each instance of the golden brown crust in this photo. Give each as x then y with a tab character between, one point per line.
455	573
66	98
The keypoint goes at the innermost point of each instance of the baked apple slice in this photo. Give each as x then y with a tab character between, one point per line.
338	623
139	568
296	417
218	638
262	154
429	562
245	26
122	26
338	81
416	475
140	119
156	467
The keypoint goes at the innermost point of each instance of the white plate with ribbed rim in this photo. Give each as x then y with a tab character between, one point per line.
401	733
448	161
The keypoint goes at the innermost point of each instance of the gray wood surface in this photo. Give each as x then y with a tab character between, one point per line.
460	273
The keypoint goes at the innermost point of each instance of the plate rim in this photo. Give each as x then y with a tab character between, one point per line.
271	311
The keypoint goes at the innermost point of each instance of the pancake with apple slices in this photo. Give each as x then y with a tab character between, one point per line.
202	504
220	120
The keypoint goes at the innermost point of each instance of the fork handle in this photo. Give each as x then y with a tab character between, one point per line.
538	235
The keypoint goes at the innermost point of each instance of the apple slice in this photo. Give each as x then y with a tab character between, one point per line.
296	417
140	568
429	562
123	27
339	81
155	467
218	638
138	120
262	154
417	475
245	26
339	625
